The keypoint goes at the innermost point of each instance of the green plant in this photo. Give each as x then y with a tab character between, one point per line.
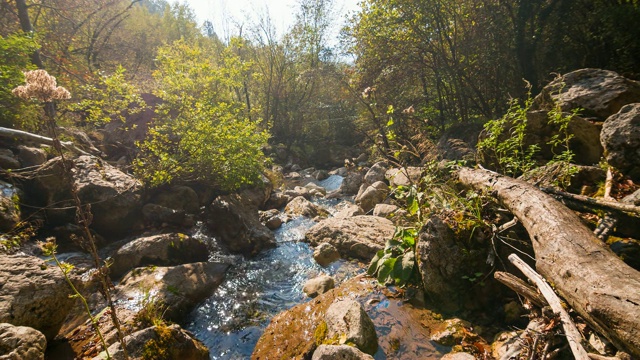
560	144
151	311
504	141
396	263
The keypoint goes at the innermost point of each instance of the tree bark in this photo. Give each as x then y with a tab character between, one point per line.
596	283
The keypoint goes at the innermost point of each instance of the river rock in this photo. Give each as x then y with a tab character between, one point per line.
601	93
21	343
347	321
178	197
302	207
114	196
31	156
271	219
356	237
161	342
9	208
325	253
374	194
403	177
298	191
237	225
339	352
180	287
342	171
33	294
159	215
451	332
621	139
346	209
351	183
376	173
384	210
440	261
320	175
458	356
8	160
277	200
318	285
258	194
163	250
316	190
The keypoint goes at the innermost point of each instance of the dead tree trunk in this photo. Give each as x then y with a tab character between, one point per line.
591	278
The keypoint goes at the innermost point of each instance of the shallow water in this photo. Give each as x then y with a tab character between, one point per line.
231	321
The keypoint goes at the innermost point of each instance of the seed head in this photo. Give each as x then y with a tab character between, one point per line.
41	86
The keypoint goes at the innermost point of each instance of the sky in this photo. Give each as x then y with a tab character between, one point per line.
225	14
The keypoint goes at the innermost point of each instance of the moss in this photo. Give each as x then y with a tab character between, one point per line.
159	348
321	333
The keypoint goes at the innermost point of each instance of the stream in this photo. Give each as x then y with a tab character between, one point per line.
232	320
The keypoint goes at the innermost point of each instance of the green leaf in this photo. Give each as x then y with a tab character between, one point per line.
373	265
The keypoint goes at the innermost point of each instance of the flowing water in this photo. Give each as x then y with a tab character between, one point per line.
232	320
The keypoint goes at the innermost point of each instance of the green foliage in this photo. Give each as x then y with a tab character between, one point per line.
15	57
151	311
112	97
397	262
202	132
562	154
504	142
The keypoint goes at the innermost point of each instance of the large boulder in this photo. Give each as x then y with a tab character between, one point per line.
404	177
30	156
339	352
600	93
9	208
33	294
238	226
8	160
179	288
351	183
440	262
356	237
115	197
346	209
303	207
178	197
258	194
159	342
621	139
163	250
318	285
21	343
372	195
154	214
376	173
347	321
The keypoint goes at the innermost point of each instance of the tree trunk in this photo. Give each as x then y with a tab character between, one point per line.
592	279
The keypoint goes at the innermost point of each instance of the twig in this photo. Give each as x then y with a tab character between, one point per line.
570	330
27	136
514	283
603	204
608	185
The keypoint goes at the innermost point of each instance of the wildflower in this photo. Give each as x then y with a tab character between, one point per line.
41	86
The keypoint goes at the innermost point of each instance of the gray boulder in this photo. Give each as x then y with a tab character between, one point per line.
351	183
620	137
440	261
372	195
404	177
237	225
316	190
347	321
302	207
356	237
172	341
318	285
178	197
163	250
320	175
8	160
277	200
339	352
385	210
298	191
376	173
30	156
325	253
180	288
347	209
21	343
159	215
601	93
33	294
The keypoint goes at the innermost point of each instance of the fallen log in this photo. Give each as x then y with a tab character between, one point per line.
593	280
39	139
520	287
